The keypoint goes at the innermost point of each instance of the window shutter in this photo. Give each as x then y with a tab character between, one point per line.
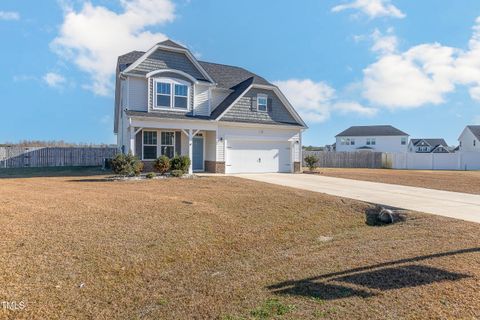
139	145
178	142
269	104
254	103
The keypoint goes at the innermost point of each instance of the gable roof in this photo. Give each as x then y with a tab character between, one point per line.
127	59
223	76
475	130
363	131
170	43
432	142
238	91
229	76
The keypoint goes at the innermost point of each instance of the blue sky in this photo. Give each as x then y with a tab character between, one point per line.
412	64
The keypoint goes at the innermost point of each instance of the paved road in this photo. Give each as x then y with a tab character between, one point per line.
444	203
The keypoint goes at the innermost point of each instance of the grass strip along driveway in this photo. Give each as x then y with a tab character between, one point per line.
224	248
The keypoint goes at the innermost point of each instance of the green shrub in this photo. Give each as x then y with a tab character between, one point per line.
176	173
185	163
311	161
150	175
162	164
180	163
126	165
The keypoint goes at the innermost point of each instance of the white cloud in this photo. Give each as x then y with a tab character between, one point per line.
24	77
372	8
348	107
9	15
315	101
423	74
95	36
54	80
384	44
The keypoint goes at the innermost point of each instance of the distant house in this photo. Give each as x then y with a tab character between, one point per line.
428	146
384	138
470	139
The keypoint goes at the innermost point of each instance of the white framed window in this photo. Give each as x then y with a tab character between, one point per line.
262	102
149	145
167	143
404	141
180	100
163	95
373	141
171	94
342	141
352	141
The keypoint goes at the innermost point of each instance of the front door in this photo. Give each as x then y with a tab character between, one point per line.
197	161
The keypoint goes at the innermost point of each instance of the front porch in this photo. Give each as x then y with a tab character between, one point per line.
199	145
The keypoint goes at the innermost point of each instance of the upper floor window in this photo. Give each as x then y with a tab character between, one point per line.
262	101
352	141
404	141
474	142
165	97
181	96
371	141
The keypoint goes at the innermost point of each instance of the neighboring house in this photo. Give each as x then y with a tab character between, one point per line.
428	146
225	118
383	138
470	139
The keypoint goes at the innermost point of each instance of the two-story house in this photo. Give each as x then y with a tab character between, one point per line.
225	118
383	138
428	146
470	139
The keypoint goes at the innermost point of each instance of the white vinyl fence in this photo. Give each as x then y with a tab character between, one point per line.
434	161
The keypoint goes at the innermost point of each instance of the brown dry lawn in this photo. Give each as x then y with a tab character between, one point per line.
224	248
457	181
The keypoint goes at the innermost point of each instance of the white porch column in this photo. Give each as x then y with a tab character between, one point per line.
132	140
190	150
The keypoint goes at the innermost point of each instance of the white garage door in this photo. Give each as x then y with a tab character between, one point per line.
258	156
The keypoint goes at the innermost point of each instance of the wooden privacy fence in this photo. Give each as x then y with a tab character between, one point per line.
365	159
19	157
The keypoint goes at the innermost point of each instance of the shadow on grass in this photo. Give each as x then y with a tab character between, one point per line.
51	172
383	276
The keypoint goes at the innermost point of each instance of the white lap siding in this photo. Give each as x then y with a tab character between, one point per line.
201	100
137	98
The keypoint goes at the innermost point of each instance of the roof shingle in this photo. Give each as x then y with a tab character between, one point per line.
475	130
363	131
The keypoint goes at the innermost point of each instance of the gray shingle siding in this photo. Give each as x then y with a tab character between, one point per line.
162	59
242	111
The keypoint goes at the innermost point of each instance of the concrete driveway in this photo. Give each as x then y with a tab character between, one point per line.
444	203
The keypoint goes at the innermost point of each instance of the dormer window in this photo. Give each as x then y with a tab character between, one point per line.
181	96
171	94
262	101
163	95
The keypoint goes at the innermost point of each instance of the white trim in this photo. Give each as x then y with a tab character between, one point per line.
148	145
279	94
166	145
233	103
179	72
167	48
257	138
172	83
262	96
